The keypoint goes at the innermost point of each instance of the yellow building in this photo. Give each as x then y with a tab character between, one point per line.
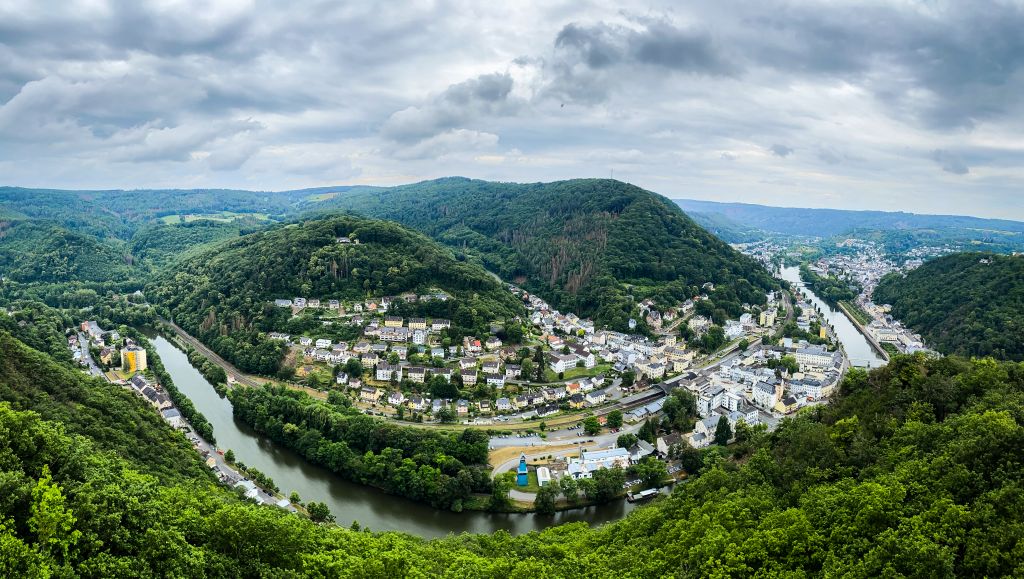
133	359
821	333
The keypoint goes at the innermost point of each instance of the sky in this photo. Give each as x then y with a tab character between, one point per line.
900	105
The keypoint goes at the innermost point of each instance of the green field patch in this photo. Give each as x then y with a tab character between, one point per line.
222	216
322	196
574	373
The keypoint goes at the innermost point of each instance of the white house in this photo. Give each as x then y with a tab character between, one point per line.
417	374
767	393
385	372
561	363
816	356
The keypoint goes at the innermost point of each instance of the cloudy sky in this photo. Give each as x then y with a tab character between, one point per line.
896	105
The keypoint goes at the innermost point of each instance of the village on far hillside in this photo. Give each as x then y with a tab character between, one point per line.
556	363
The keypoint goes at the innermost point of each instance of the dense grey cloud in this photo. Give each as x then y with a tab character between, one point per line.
950	162
458	105
888	103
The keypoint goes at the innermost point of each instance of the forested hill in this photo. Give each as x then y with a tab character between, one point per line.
223	295
113	418
591	246
42	251
49	235
966	303
913	471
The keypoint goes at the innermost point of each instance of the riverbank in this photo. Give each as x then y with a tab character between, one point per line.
864	332
349	501
235	376
858	349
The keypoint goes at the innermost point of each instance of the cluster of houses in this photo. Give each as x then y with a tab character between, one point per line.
375	305
884	329
867	266
150	392
389	342
747	389
586	345
536	402
647	358
131	356
133	361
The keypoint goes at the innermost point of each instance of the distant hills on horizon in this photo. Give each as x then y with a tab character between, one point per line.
821	222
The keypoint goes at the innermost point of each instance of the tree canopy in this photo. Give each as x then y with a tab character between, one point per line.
913	470
592	246
224	295
970	304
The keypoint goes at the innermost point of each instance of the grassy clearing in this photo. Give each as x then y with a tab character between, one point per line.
322	196
222	216
574	373
856	312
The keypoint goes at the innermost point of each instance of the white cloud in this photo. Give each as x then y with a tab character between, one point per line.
845	104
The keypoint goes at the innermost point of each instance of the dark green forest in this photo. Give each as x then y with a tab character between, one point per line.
43	252
595	247
970	304
831	289
592	246
223	295
913	471
119	213
439	467
113	418
158	245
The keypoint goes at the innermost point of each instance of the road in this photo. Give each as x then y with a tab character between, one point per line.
83	347
205	449
233	373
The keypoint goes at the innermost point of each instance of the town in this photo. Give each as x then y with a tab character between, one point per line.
554	375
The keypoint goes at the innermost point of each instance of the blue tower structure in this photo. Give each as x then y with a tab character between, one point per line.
521	477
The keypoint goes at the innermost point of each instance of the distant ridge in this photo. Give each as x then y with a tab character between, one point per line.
829	222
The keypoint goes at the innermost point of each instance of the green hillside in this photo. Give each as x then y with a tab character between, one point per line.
726	229
223	295
157	245
113	418
118	213
967	303
41	251
587	245
913	471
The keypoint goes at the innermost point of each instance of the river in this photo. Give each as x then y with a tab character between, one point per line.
349	501
856	346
